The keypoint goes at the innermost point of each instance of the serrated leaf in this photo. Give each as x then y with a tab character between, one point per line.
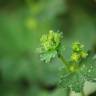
47	56
75	81
88	68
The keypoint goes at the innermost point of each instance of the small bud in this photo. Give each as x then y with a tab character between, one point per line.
84	54
72	69
78	52
75	57
76	46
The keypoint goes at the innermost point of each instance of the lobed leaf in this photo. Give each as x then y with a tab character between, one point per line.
76	80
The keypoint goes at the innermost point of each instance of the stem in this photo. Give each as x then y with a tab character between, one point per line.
63	60
82	93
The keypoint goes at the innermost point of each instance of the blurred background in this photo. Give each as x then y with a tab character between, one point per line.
22	22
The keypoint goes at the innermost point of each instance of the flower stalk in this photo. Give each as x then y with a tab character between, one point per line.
63	59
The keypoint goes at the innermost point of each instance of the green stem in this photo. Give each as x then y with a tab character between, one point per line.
63	60
82	93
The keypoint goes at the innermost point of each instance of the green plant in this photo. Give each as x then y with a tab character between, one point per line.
80	68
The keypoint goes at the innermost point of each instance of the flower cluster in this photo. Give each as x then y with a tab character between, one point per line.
50	41
50	44
78	52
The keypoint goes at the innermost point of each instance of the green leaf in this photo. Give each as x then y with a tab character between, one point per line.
47	56
88	68
75	81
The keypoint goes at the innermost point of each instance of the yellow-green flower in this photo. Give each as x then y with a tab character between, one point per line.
50	41
83	54
72	69
75	57
78	52
77	46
